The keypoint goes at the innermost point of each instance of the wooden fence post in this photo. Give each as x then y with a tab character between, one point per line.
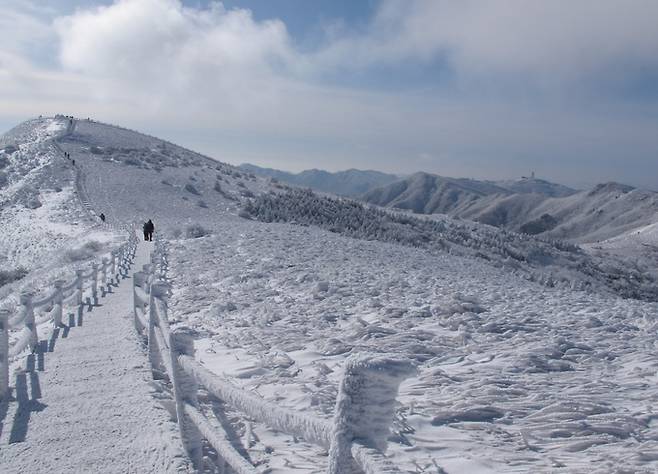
120	261
365	405
159	291
185	391
4	354
79	284
114	264
28	311
94	281
138	281
105	263
59	302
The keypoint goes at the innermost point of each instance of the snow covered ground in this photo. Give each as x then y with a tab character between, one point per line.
46	232
514	375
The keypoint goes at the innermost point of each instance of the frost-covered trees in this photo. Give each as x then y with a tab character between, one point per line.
190	188
549	262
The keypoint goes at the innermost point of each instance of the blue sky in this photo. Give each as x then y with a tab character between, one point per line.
475	88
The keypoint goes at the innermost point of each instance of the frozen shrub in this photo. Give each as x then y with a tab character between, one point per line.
132	161
10	276
194	231
9	149
84	252
189	187
220	190
500	247
33	203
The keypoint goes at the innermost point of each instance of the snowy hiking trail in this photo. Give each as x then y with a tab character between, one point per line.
84	403
514	376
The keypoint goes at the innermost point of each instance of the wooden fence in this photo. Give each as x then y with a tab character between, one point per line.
356	436
34	311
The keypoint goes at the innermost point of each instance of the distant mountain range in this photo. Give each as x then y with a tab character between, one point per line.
426	193
529	205
345	183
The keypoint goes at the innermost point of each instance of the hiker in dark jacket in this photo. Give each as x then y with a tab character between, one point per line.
148	231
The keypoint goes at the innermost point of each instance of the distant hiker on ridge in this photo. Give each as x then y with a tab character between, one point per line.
102	216
148	230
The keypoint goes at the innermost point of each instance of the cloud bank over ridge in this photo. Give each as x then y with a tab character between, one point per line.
565	88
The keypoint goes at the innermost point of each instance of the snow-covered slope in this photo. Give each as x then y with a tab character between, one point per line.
514	376
530	358
44	224
350	182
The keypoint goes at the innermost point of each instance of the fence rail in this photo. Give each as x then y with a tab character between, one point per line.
25	323
355	437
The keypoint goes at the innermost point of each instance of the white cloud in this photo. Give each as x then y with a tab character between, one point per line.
156	64
549	41
169	55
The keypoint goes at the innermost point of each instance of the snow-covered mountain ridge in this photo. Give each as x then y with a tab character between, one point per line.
44	224
350	182
531	206
519	370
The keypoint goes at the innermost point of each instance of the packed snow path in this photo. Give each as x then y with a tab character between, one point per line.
84	403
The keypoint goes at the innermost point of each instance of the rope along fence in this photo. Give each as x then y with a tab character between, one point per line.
35	311
355	438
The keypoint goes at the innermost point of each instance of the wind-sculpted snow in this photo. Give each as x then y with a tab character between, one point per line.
513	376
551	262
